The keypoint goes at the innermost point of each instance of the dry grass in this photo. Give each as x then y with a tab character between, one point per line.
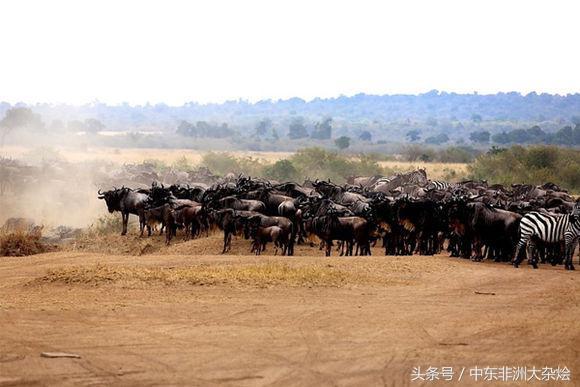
194	157
138	155
259	275
22	243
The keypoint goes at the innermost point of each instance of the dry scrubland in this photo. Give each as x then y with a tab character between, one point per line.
435	170
138	155
140	313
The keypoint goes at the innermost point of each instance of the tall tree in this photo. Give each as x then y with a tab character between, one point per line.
480	137
19	118
297	129
342	142
323	130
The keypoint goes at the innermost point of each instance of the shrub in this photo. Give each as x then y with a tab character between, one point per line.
21	243
533	165
281	170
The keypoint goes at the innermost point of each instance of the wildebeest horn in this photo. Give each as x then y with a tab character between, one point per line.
99	192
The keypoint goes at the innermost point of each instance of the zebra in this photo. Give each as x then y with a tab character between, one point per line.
571	236
439	185
383	180
546	227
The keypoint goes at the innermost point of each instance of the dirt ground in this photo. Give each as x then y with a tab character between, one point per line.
149	319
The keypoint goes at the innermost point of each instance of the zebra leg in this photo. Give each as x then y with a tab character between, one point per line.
570	248
532	258
516	261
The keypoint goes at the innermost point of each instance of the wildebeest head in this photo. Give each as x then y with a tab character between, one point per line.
251	226
113	198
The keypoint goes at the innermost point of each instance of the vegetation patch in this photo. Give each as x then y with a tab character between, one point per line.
530	165
260	275
22	243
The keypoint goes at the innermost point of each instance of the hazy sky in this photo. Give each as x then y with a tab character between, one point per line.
211	51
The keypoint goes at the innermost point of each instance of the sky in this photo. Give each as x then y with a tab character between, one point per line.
174	52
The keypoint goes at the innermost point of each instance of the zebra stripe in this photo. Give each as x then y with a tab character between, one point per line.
548	228
571	236
439	185
383	180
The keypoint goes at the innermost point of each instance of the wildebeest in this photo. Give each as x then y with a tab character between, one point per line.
126	201
165	215
352	229
280	237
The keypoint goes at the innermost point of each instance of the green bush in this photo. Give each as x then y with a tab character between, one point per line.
224	163
323	164
281	170
533	165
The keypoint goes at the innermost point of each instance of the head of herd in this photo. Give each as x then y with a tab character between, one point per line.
113	198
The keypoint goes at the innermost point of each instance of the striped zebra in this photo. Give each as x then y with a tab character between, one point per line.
439	185
571	236
383	180
549	228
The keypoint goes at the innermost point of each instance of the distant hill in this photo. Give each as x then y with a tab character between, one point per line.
434	117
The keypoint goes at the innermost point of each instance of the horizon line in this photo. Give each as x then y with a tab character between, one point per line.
434	92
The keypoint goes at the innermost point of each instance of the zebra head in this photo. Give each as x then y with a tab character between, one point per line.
575	216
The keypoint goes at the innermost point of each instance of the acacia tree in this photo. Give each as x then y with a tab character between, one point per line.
323	130
342	142
93	125
297	129
17	118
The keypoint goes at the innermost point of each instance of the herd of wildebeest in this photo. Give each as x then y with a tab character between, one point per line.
407	213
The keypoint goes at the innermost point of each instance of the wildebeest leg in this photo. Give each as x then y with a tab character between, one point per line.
168	234
328	247
141	224
125	219
226	235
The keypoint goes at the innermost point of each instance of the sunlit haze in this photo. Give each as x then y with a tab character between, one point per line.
178	51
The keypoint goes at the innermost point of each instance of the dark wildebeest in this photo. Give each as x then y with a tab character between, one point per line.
495	228
281	237
241	204
165	215
126	201
193	219
228	220
346	229
287	226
